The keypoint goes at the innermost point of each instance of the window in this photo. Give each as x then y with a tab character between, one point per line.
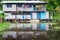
19	5
29	5
9	5
25	5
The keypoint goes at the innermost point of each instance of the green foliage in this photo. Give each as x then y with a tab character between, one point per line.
4	26
52	4
56	16
1	15
56	28
0	6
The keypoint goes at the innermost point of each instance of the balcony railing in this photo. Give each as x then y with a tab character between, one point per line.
40	8
31	9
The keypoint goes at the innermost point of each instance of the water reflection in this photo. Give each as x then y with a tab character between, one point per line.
9	33
14	34
27	34
31	26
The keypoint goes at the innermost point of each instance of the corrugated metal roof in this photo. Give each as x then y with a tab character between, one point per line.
23	2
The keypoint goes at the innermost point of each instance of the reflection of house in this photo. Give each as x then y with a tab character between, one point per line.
29	26
25	10
22	34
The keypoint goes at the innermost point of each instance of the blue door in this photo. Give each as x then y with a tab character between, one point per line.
42	15
38	15
31	15
43	26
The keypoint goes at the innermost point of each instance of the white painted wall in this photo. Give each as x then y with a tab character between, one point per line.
23	16
28	9
47	15
5	8
34	15
9	16
19	8
28	16
19	16
25	9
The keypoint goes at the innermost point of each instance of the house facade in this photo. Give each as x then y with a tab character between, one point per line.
29	11
25	10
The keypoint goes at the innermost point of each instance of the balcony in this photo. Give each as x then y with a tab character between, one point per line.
25	9
31	9
41	8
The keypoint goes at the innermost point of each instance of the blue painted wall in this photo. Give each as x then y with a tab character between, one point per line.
43	15
31	15
38	15
22	16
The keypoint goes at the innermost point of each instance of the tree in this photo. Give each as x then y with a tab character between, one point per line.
2	16
3	25
52	4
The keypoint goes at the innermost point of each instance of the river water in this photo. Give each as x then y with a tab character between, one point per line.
34	29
